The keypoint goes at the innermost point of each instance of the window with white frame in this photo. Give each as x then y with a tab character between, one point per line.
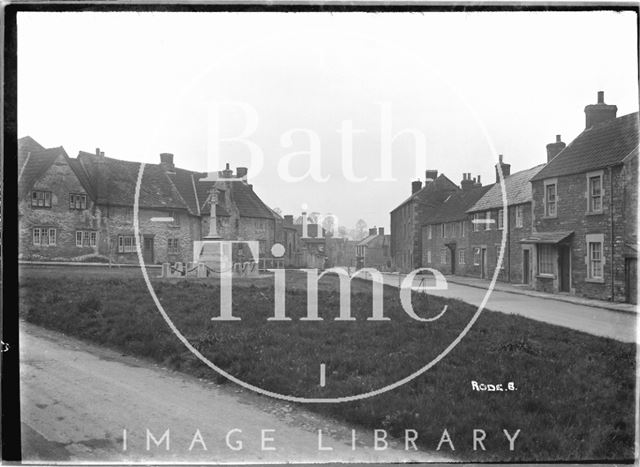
429	256
44	236
462	223
475	222
461	256
86	238
41	199
500	219
476	256
429	232
77	201
595	256
173	246
595	192
487	225
519	215
550	198
126	244
443	256
546	257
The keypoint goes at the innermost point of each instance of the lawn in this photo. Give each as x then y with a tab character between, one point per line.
574	397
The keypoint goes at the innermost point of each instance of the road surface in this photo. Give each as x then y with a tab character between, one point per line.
77	400
597	321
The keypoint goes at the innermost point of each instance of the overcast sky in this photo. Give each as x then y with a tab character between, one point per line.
474	85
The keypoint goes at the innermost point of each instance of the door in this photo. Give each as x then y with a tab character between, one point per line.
147	250
631	274
525	267
453	259
564	268
483	263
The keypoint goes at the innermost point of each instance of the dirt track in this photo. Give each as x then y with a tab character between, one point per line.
76	400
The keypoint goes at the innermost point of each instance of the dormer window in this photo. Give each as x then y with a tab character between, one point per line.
77	201
41	199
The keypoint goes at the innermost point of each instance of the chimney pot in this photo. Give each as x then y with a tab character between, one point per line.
98	152
553	149
600	97
478	178
380	230
241	172
600	112
372	231
558	139
500	158
102	154
430	175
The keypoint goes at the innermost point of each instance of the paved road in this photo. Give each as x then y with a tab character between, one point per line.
76	400
597	321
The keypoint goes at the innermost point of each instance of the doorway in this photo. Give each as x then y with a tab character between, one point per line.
526	265
453	259
483	263
564	268
631	276
147	250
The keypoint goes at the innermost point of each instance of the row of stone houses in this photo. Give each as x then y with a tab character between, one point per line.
82	208
569	225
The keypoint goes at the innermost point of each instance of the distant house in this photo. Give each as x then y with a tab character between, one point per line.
82	209
374	250
446	235
408	217
584	211
490	221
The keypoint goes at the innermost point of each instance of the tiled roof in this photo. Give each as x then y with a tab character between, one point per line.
440	183
597	147
375	240
114	181
516	186
455	206
26	145
184	181
242	196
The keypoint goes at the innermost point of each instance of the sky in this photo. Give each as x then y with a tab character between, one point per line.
338	112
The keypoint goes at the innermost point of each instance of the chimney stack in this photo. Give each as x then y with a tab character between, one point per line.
600	112
372	231
227	172
477	183
553	149
466	182
241	172
166	161
430	176
380	230
98	152
506	169
288	219
416	186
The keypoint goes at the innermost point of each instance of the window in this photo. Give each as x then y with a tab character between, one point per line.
461	258
476	223
443	256
173	246
595	257
550	199
176	218
462	224
86	238
442	230
263	247
41	199
126	244
429	232
545	259
500	219
487	225
429	256
519	215
77	201
44	236
476	256
498	247
595	193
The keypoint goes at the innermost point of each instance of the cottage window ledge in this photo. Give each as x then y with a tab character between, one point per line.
550	217
546	276
595	280
594	213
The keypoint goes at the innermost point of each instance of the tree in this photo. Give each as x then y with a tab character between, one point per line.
329	225
342	232
361	229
